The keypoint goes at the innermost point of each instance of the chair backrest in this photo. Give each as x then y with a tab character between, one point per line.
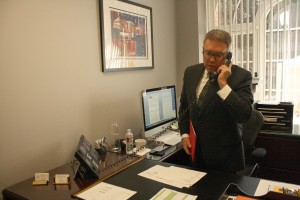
251	129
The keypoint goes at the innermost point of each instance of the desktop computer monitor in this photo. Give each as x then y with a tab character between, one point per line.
159	109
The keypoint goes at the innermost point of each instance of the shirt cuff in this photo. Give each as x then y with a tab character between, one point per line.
185	135
224	92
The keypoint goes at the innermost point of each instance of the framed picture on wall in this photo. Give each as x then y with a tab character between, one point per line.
126	36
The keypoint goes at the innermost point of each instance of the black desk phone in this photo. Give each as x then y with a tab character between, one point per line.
160	150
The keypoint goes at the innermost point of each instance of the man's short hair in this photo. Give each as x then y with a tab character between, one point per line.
219	35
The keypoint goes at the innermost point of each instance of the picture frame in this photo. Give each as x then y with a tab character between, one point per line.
126	36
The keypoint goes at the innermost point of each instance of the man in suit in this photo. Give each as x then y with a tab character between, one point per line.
217	118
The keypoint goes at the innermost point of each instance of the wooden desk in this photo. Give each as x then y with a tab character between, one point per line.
210	187
109	165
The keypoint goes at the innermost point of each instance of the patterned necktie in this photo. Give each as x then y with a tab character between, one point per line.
204	91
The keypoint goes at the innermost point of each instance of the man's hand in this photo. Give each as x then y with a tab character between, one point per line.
186	145
224	73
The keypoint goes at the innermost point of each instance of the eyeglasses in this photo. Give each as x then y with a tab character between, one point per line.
217	55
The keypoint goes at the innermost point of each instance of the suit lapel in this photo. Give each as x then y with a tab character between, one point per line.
196	76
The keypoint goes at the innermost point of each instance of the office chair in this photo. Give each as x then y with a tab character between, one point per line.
253	155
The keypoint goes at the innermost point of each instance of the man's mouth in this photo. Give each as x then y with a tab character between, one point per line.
212	67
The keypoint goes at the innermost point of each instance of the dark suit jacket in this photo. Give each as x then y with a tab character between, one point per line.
218	123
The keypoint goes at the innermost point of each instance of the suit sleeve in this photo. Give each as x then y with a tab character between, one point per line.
240	99
184	118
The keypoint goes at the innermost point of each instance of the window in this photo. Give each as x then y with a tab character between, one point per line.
266	41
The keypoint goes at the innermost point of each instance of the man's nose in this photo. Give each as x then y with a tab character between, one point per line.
212	58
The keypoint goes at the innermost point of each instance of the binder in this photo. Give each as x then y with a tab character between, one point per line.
193	140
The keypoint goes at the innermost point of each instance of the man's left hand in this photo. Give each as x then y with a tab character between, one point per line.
224	73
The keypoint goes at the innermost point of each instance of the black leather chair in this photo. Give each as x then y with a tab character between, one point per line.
253	155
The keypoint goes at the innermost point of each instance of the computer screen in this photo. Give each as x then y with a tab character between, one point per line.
159	109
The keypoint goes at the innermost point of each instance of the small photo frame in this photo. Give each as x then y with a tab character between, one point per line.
126	36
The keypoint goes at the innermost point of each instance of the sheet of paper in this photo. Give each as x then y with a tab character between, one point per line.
265	186
170	138
172	195
143	151
175	176
157	172
186	175
106	191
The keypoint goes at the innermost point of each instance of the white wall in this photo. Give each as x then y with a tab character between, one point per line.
51	85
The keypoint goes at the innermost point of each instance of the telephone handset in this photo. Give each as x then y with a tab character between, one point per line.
228	60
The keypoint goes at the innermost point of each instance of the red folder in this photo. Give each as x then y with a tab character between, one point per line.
193	139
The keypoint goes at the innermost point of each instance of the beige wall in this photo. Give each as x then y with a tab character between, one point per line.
51	85
190	32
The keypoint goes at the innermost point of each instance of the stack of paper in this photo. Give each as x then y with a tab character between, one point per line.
175	176
106	191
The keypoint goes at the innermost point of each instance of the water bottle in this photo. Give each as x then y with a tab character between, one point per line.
129	142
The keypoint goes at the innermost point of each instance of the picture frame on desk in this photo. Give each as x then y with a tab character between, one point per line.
126	36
